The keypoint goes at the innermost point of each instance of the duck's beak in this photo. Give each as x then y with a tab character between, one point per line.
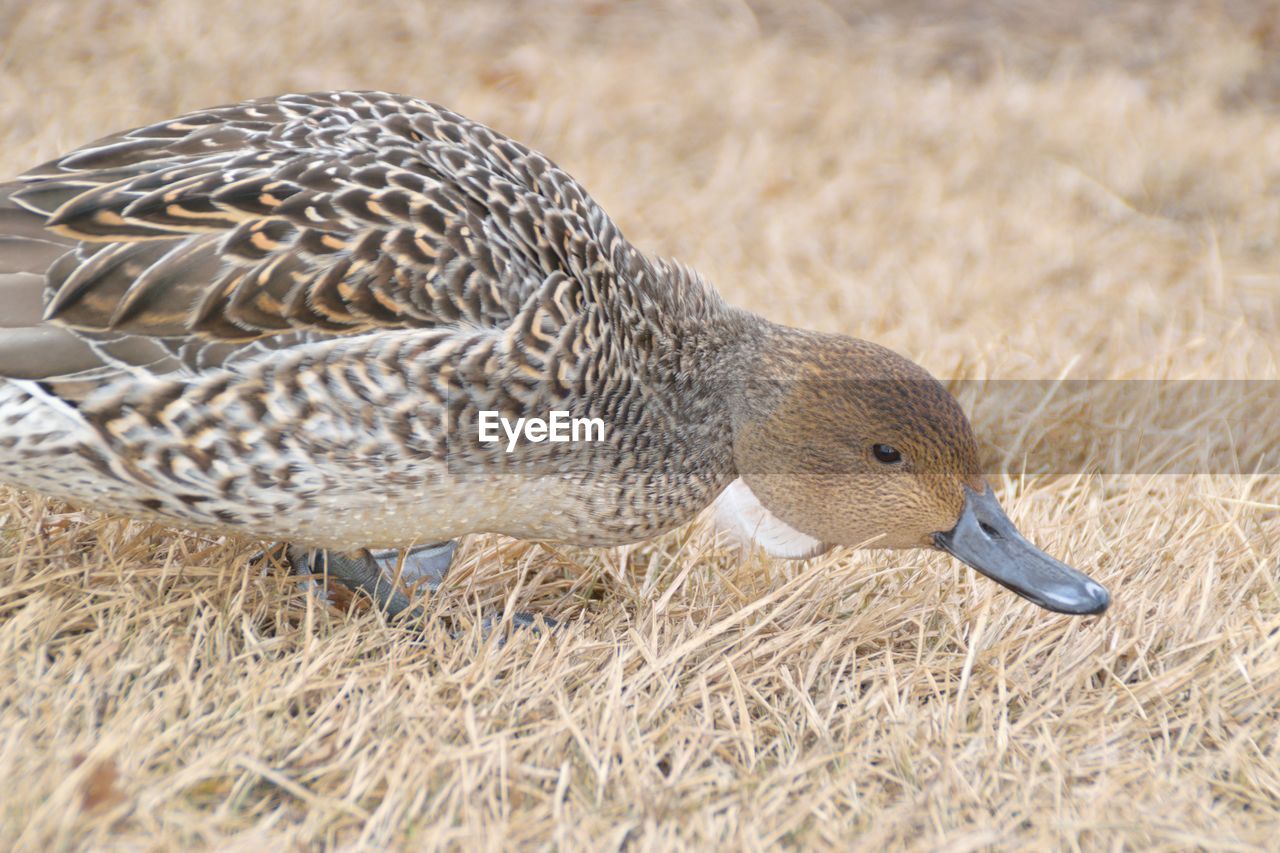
986	539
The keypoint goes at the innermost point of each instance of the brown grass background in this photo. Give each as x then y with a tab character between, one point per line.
1000	189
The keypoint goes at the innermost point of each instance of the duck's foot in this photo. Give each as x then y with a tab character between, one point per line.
374	573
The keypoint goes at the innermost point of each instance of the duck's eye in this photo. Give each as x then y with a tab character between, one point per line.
886	453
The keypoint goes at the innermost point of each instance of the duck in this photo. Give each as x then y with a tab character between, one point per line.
303	318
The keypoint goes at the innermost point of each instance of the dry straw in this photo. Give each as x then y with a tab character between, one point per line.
1007	190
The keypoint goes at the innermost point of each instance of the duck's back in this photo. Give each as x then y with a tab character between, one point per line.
324	214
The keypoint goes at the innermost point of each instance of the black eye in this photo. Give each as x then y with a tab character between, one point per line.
886	453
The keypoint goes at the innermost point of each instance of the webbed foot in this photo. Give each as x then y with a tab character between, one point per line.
373	573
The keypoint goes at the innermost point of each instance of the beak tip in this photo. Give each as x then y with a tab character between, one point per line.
1089	599
1101	600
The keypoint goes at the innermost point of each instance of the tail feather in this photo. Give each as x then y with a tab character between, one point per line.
26	245
29	348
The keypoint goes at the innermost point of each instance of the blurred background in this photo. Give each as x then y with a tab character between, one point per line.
1017	190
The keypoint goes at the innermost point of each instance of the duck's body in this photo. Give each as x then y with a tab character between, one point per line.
283	359
285	318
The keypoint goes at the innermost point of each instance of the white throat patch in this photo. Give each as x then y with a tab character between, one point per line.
740	514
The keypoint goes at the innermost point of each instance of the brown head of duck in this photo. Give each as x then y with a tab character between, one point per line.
849	443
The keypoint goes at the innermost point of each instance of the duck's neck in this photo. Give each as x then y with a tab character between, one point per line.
694	355
670	370
690	345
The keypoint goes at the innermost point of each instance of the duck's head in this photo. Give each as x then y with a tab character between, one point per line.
848	443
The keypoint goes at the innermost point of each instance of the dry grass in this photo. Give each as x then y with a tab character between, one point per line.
1021	192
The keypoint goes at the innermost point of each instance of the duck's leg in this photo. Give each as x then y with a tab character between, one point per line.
428	563
374	572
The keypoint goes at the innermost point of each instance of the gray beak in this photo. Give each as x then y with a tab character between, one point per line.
986	539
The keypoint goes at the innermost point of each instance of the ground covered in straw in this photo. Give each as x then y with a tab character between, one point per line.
995	190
